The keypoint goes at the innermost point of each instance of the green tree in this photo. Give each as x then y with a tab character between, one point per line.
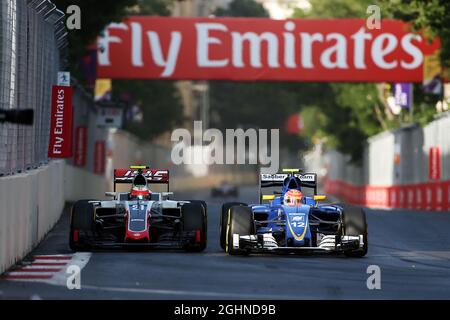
335	9
158	100
431	16
355	111
242	8
92	24
349	112
248	104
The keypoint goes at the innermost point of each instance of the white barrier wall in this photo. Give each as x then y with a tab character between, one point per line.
81	184
31	203
378	160
395	157
403	168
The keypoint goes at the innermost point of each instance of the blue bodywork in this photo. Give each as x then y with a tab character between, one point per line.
295	226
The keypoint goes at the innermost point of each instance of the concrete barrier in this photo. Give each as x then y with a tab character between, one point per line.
405	168
82	184
32	202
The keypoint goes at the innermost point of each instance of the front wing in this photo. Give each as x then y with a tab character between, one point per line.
174	241
265	243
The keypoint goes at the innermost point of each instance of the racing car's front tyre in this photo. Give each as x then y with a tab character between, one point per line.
355	224
194	220
224	221
240	222
81	224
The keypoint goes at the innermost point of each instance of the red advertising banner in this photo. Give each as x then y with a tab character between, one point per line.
60	142
79	158
248	49
99	157
421	196
434	164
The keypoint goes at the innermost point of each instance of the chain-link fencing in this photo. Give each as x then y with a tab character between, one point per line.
32	44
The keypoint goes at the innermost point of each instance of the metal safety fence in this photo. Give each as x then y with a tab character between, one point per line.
32	47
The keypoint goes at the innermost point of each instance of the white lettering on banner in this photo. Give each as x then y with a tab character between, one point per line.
412	50
136	48
203	42
360	48
379	50
255	41
410	197
307	42
59	122
339	49
278	50
169	63
105	40
289	48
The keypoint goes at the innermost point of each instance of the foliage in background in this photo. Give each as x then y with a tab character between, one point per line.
92	24
353	112
248	104
242	8
335	9
348	110
159	102
430	15
157	99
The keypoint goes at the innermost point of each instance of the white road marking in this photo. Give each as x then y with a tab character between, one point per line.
423	255
25	273
79	259
50	269
49	261
211	294
34	267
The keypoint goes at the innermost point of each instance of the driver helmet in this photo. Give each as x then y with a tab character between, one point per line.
140	192
139	189
293	198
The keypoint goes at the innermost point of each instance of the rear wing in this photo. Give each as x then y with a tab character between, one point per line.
153	176
267	180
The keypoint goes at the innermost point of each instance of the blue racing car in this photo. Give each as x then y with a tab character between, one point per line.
291	221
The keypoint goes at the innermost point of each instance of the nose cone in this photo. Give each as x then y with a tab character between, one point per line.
137	223
297	229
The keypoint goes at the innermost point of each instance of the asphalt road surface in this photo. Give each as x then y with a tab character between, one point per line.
412	250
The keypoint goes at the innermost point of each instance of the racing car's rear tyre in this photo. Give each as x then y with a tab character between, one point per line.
203	203
241	222
355	224
224	221
195	219
205	207
82	223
